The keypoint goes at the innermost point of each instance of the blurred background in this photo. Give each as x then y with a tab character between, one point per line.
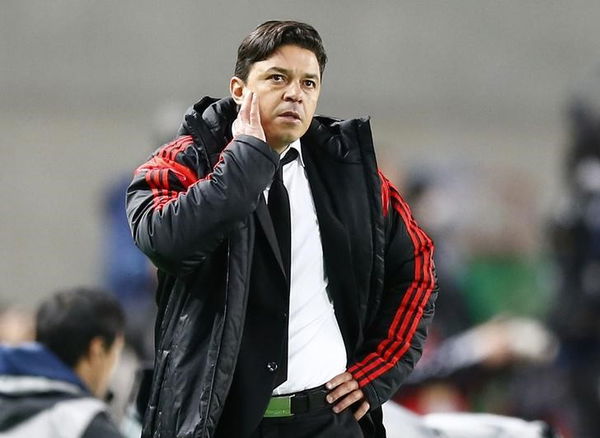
484	114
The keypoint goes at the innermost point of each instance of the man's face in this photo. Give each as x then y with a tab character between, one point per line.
287	84
102	363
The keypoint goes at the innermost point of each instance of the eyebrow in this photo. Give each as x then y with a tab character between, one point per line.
287	72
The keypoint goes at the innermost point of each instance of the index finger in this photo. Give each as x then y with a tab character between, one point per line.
254	111
244	113
338	380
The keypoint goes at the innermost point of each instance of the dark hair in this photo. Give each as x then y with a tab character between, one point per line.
67	322
269	36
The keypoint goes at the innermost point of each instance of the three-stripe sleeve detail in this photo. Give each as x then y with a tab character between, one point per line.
166	177
410	311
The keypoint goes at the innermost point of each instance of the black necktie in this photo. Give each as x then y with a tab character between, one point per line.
279	207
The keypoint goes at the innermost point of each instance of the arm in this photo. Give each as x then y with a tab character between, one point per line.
394	343
178	219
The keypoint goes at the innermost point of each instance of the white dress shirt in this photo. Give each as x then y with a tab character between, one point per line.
316	351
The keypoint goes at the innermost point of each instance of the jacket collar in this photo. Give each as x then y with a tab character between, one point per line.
35	360
294	145
209	122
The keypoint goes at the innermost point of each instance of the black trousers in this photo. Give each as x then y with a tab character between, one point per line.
321	423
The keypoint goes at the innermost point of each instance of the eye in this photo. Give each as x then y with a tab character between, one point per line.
309	83
277	78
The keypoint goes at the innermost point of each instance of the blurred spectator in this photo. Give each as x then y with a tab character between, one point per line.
575	238
488	348
16	326
401	423
52	387
433	194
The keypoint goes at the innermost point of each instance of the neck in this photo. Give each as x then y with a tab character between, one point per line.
278	145
87	375
280	149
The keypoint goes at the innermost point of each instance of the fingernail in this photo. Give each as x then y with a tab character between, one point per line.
329	399
328	386
336	409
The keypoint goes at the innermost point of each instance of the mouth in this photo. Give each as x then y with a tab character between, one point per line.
291	116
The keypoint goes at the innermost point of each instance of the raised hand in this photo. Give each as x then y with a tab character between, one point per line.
248	119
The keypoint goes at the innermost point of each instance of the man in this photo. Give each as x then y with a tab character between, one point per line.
52	388
294	293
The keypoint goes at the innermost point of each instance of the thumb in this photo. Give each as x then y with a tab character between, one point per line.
235	128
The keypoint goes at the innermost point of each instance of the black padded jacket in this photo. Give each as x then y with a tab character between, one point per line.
191	210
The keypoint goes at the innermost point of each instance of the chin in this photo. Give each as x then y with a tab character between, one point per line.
283	139
291	136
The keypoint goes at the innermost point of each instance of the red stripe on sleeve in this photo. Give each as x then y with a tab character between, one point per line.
170	150
150	181
410	311
385	194
163	164
158	169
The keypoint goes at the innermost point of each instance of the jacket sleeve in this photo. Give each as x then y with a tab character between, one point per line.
177	217
394	343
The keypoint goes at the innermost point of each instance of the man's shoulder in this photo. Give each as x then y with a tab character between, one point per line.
208	123
336	124
349	140
213	114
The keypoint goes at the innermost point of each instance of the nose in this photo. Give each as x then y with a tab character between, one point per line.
293	92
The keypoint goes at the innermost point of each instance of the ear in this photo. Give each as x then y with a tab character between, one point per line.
97	348
236	88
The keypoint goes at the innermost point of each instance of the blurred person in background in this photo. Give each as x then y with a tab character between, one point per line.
16	326
489	349
54	387
263	332
402	423
575	238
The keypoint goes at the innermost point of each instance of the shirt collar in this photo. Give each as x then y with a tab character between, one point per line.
296	145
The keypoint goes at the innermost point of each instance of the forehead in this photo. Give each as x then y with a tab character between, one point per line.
289	57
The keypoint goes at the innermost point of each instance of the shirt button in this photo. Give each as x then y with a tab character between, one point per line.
284	314
272	366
